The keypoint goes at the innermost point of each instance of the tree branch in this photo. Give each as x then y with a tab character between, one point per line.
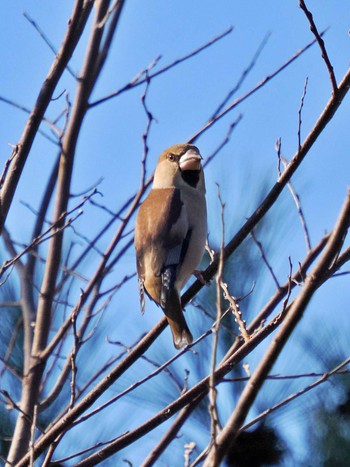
144	344
321	43
19	156
295	313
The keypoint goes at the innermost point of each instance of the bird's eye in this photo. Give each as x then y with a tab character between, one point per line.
171	157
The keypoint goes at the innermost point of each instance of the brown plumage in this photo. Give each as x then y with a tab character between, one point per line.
170	233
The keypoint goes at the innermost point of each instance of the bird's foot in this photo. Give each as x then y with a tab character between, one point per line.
198	275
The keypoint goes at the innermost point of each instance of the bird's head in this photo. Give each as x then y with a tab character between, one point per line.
178	166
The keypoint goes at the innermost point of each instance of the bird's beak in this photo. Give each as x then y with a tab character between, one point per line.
191	160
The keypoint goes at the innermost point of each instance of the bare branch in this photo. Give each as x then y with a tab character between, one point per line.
169	435
53	230
145	134
286	288
324	377
243	76
32	436
263	256
300	112
321	44
236	102
325	117
92	66
340	261
19	156
80	453
138	80
295	313
200	388
45	39
50	124
224	142
234	307
73	359
214	416
294	194
40	219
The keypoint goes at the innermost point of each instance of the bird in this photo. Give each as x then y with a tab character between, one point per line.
171	233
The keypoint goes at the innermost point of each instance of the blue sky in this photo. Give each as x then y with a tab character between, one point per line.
173	29
110	146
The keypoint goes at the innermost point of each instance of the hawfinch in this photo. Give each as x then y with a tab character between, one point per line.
170	233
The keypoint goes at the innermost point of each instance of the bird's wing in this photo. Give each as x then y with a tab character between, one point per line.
161	240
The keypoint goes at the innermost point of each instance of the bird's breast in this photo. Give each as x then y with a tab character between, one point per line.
196	214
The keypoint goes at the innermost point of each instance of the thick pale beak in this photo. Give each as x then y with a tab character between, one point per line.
191	160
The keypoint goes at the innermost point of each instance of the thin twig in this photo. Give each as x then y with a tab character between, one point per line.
321	43
278	377
12	405
90	398
145	134
243	76
159	369
300	111
59	462
214	416
32	436
168	436
93	63
73	359
324	377
264	258
139	80
234	307
45	39
55	130
296	310
8	163
294	194
76	24
245	96
54	229
189	448
224	142
284	291
50	452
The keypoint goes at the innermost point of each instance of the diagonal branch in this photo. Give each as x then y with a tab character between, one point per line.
192	396
218	116
295	313
169	435
137	81
324	377
89	399
321	43
323	120
75	28
45	38
31	386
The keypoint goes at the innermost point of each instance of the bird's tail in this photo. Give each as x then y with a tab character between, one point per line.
174	314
